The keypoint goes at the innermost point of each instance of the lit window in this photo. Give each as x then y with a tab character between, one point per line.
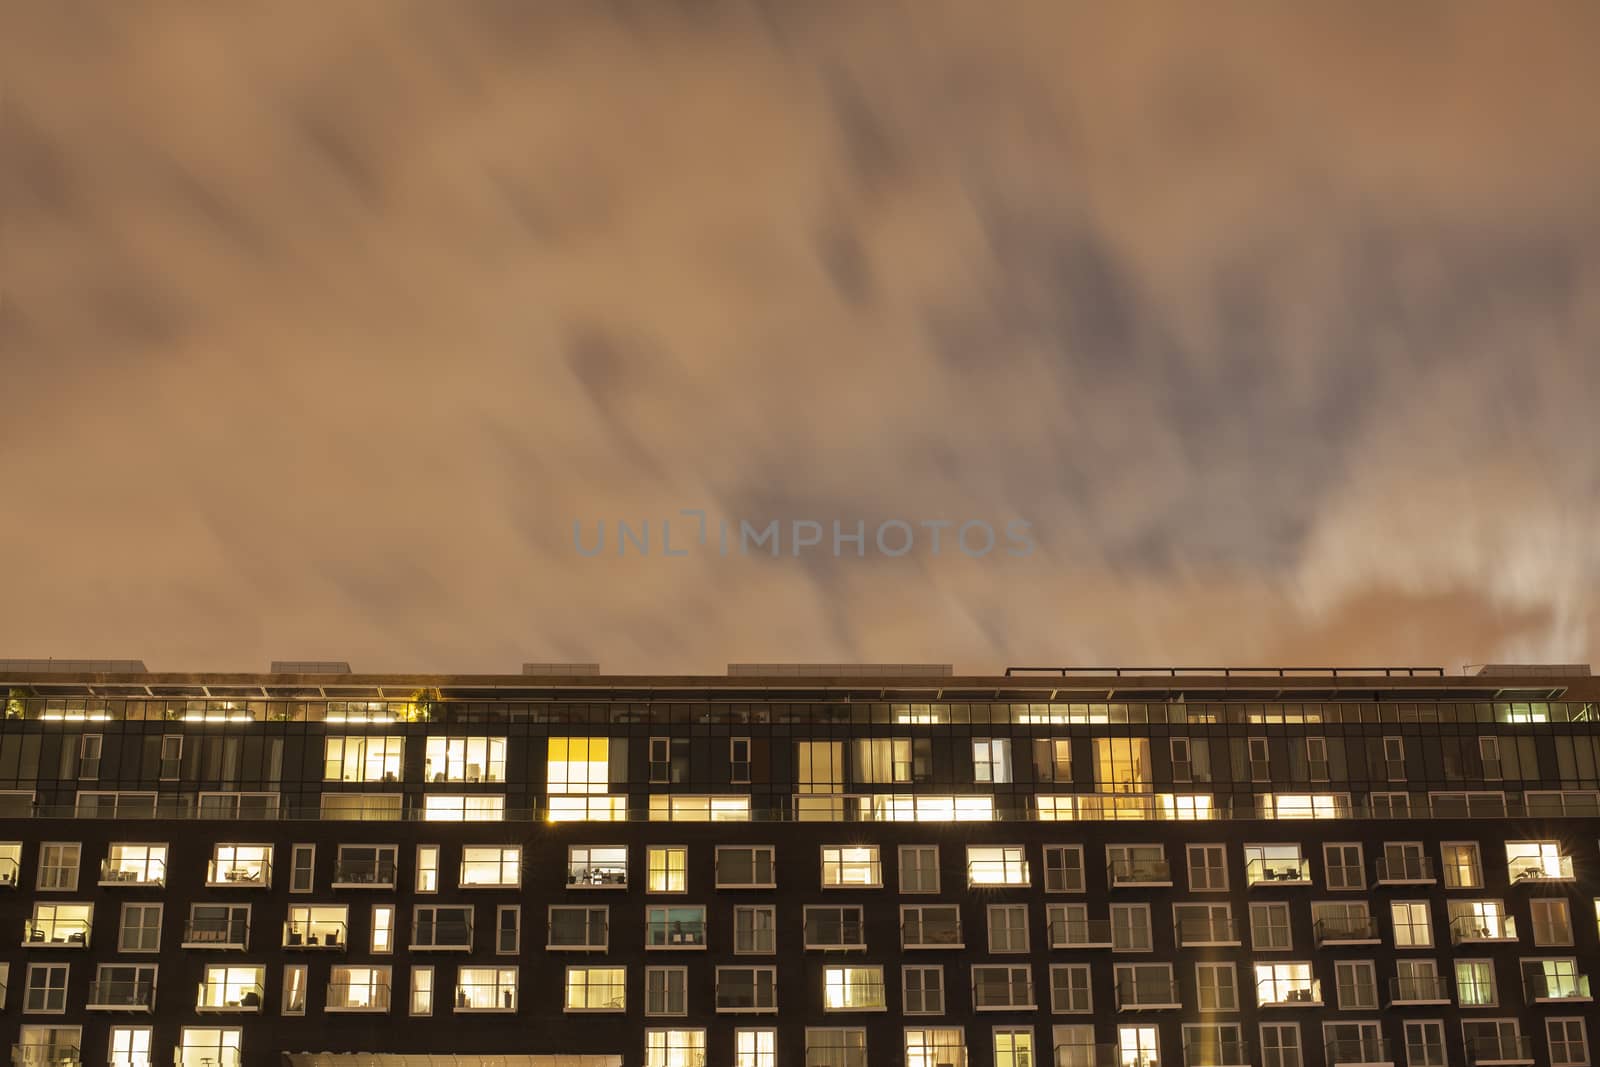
1013	1046
468	759
833	1047
851	867
1552	921
486	989
1275	864
675	926
588	809
991	760
1122	764
316	926
597	867
578	765
427	868
130	1046
996	865
358	989
60	926
853	988
363	759
1412	926
1537	861
675	1048
1007	987
884	760
422	991
596	989
232	988
755	1048
382	928
1463	869
477	807
906	807
209	1046
667	869
240	865
1286	983
491	866
704	808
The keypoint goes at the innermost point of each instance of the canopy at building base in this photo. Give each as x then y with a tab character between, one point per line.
445	1059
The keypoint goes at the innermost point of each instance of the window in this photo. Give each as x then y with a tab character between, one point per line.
1463	868
739	762
1013	1046
667	869
1070	989
587	808
1208	868
209	1046
123	986
919	868
991	760
1182	762
1052	759
675	1048
819	767
171	757
1286	983
1569	1044
669	759
508	929
1130	927
1204	925
422	991
834	1047
318	926
46	989
1280	1045
294	989
363	759
1269	927
1537	861
302	868
1475	985
1138	1046
366	866
1260	760
1496	1039
747	989
937	926
1394	758
1216	987
469	759
1418	982
1214	1043
578	765
1358	985
754	1047
853	988
10	864
486	989
237	805
579	928
129	1046
232	988
1412	926
596	989
996	865
1355	1043
1122	764
1552	923
108	804
441	926
129	864
60	926
1480	920
1063	869
1343	923
491	866
358	989
1144	985
1424	1043
851	867
1344	866
1138	865
675	926
834	927
745	867
922	988
140	929
1278	864
362	807
455	807
664	990
89	757
1317	759
1489	757
242	866
1553	979
58	865
890	760
597	867
427	868
382	928
683	807
942	1047
1071	927
755	930
1008	928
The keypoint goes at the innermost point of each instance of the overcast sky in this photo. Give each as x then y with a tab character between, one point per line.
322	323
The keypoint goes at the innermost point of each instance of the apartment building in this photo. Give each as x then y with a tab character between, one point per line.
792	868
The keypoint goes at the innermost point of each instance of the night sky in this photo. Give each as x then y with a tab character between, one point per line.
321	324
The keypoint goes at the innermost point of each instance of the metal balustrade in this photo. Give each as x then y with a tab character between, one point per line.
1351	929
1405	870
220	995
1139	873
1289	992
216	933
1499	1049
121	995
1260	871
46	1056
1191	933
150	871
364	874
1469	928
1419	989
1080	933
56	933
1201	1053
1359	1052
319	934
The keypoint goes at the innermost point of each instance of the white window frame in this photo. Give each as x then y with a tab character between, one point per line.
921	970
838	864
903	867
755	866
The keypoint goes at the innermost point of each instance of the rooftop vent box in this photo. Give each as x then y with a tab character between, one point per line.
1531	670
840	670
560	669
73	666
309	666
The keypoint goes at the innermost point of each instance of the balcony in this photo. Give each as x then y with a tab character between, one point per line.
1350	930
1284	872
1363	1052
1216	1054
1207	933
1086	1055
358	997
56	933
1080	933
1289	993
216	933
931	933
1499	1051
1555	988
364	874
1421	989
998	874
152	871
684	933
1476	929
121	996
239	874
46	1056
597	877
485	997
1126	874
1526	869
1403	870
307	935
1147	994
224	996
441	937
10	871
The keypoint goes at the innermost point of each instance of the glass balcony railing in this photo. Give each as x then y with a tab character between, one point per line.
56	933
239	873
46	1056
997	874
358	996
1540	869
1419	989
602	876
1260	871
1080	933
309	934
449	935
1138	872
485	996
931	933
1216	1054
10	870
364	874
1403	870
1469	928
121	995
1349	929
1089	1055
1486	1051
1146	994
1359	1052
1289	992
680	933
1539	988
220	995
206	1056
151	871
216	933
1192	933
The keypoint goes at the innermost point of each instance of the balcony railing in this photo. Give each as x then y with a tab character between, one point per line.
1419	989
117	995
216	933
152	871
56	933
1540	869
1139	872
10	871
1360	1052
1012	995
931	933
1216	1054
441	936
244	874
485	996
1146	994
1277	872
1403	870
999	873
46	1056
585	936
1080	933
834	933
364	874
1192	933
1499	1049
1087	1055
678	933
1346	930
1289	993
205	1056
217	996
597	877
1545	988
358	996
1469	928
319	934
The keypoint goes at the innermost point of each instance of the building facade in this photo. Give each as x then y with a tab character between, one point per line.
1096	868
